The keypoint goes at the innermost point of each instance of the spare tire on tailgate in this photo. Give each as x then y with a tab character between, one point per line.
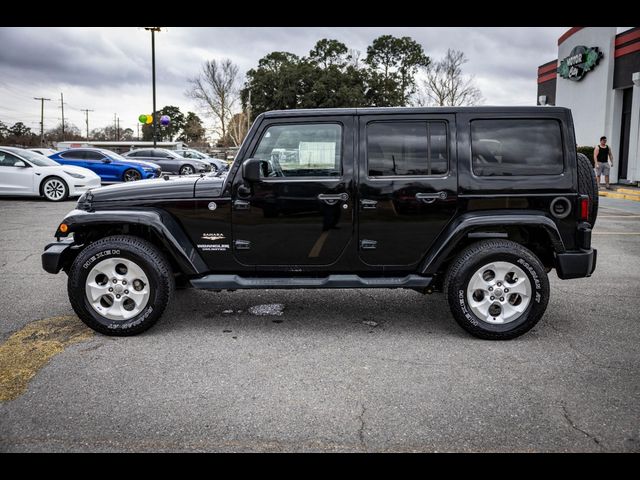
588	185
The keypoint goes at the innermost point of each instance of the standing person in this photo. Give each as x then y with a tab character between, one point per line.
601	156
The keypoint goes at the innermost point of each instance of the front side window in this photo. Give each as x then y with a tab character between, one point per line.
507	147
91	155
407	149
301	150
8	160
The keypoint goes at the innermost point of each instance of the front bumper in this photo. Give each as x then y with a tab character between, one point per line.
58	254
576	264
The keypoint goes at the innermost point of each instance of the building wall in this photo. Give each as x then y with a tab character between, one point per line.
590	99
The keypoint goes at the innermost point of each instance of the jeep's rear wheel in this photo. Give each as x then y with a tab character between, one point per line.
588	185
497	289
120	285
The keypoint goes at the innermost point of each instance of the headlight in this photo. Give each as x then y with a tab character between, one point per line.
73	174
148	169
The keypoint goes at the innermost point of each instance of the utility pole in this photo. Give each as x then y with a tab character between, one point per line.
42	100
249	112
153	31
115	127
86	111
138	125
118	130
62	107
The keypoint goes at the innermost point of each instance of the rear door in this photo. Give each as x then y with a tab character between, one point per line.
74	157
407	186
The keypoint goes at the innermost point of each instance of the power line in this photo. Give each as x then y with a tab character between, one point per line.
42	100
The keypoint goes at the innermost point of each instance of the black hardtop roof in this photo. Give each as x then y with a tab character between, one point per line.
312	112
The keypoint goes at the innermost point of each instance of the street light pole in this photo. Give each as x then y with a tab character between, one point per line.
153	76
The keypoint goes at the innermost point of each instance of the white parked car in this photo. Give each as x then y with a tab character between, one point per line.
27	173
47	152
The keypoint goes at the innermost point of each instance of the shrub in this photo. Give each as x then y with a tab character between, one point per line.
588	151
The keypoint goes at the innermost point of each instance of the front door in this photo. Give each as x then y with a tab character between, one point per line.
15	180
407	188
300	212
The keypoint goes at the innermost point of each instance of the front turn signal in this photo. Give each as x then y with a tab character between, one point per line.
64	228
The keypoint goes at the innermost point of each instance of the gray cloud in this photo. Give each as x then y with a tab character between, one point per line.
109	69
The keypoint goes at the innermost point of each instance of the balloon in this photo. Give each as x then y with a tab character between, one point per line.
142	118
164	120
149	120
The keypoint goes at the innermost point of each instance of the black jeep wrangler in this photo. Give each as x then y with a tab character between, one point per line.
478	203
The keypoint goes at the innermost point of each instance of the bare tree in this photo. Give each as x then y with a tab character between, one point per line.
216	90
446	85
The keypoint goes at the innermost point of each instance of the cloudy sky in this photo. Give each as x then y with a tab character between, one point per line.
108	70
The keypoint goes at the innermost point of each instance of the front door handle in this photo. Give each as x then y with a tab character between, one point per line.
431	196
333	198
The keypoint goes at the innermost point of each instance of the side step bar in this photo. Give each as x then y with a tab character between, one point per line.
221	282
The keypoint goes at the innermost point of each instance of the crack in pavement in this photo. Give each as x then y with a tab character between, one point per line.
581	353
575	427
363	443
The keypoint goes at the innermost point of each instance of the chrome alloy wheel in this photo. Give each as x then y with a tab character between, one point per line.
187	170
117	288
499	292
54	189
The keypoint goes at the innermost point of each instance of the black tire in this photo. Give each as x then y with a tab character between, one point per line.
146	256
469	261
184	168
47	185
131	175
588	185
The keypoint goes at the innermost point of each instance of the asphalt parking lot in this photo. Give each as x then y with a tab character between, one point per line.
343	370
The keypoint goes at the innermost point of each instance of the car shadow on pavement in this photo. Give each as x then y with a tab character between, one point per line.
332	311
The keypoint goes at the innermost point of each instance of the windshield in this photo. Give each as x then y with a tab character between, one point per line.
37	159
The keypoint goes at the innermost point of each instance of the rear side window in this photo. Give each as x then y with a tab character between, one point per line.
301	150
73	155
407	148
504	147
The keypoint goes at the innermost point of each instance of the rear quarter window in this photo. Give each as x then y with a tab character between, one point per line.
516	147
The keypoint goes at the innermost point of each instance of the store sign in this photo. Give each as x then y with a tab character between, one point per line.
581	60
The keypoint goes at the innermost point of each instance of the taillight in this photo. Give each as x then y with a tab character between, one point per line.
584	208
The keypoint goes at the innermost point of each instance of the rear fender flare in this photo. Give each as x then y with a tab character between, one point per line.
459	228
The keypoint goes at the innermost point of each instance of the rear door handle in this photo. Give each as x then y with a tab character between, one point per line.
368	204
431	196
332	198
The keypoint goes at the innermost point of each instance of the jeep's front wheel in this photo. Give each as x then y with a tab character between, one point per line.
497	289
120	285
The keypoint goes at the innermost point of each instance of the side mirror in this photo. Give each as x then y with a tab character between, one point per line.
106	160
20	163
251	170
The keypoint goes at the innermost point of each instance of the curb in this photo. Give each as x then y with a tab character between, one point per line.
624	193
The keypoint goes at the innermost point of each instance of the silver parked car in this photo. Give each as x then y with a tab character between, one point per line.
216	164
170	161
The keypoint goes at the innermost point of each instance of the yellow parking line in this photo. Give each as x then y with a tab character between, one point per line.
29	349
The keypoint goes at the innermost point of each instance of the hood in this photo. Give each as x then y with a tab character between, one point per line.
156	189
139	163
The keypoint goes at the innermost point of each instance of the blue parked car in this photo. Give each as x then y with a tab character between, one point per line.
110	166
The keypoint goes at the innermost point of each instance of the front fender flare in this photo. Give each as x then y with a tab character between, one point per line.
168	230
470	222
